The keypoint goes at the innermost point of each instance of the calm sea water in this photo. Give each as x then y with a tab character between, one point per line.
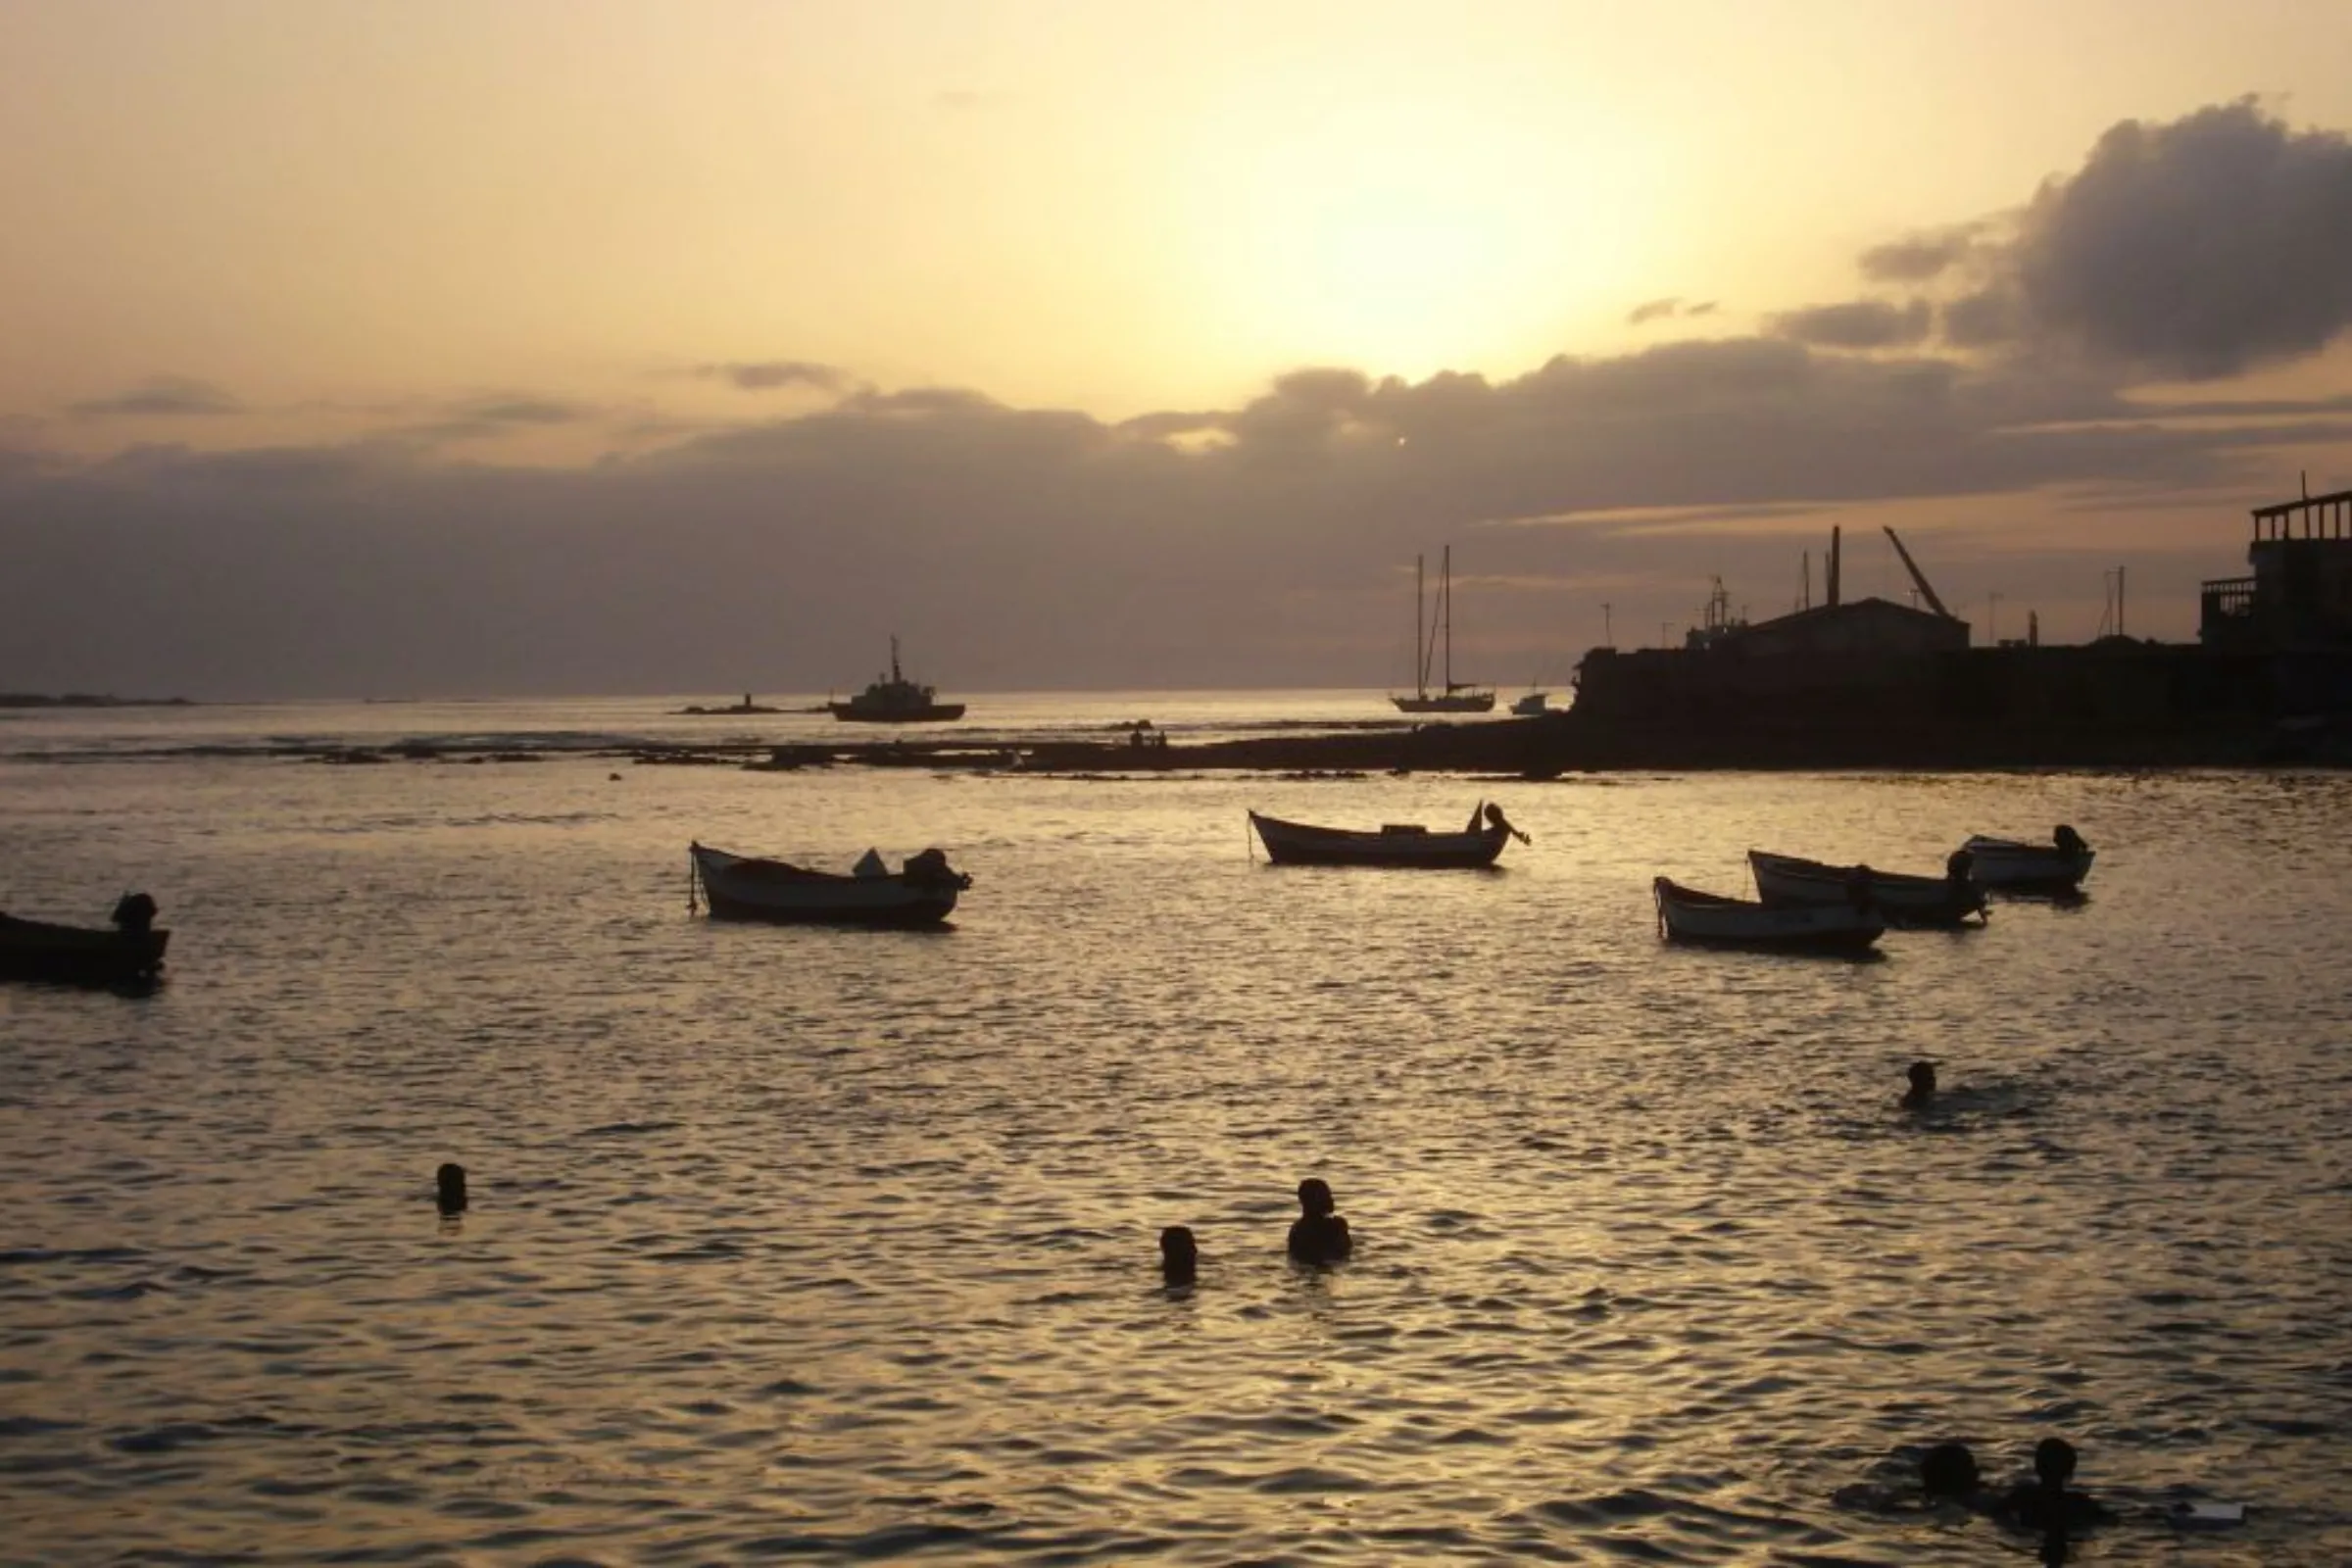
840	1247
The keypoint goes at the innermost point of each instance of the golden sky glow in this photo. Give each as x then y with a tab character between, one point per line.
913	309
1106	207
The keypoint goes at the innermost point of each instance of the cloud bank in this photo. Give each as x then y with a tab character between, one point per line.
1269	543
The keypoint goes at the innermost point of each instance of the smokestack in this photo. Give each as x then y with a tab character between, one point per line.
1831	600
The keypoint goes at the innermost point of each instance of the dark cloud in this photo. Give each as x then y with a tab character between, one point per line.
1922	257
1266	544
493	414
765	376
2195	248
165	396
1667	310
1858	324
520	410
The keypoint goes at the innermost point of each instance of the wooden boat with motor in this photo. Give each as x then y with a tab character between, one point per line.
2011	866
1905	899
130	949
739	887
1396	843
1686	914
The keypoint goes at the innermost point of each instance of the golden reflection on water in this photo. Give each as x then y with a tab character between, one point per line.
841	1244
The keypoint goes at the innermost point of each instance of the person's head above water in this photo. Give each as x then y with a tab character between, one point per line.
1922	1078
2054	1461
1948	1470
1179	1255
1318	1234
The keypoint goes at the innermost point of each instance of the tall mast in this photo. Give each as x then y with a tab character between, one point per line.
1446	600
1422	648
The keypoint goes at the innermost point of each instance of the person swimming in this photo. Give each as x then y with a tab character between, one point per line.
1179	1255
2044	1504
1921	1091
1949	1471
1318	1234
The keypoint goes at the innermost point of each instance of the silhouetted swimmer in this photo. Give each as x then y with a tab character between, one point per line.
1179	1255
1948	1471
1318	1234
1921	1091
450	1182
2044	1503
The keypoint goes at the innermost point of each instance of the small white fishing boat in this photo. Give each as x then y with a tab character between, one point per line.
1686	914
2058	867
739	887
1397	844
1903	899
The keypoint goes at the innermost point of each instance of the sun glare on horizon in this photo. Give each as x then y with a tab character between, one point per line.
1408	243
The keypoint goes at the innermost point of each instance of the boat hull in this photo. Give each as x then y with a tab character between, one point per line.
1903	899
36	950
929	713
1707	920
1455	703
2010	866
1299	844
742	888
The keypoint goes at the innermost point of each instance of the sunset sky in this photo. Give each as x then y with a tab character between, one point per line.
447	348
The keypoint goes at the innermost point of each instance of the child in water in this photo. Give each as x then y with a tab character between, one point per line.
1318	1234
1179	1255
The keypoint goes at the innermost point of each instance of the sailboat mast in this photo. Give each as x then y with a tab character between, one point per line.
1446	599
1423	644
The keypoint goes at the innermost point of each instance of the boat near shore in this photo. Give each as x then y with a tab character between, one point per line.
2010	866
129	951
1453	697
1710	919
1406	844
1904	899
740	887
896	700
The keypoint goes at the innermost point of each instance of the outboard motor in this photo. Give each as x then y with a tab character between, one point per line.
931	869
134	913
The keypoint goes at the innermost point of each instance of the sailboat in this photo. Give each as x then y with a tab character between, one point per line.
1456	697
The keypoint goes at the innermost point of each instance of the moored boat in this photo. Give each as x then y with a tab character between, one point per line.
738	887
896	700
2009	864
1453	697
1905	899
1687	915
131	949
1396	844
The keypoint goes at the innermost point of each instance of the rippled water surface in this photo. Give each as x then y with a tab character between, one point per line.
840	1247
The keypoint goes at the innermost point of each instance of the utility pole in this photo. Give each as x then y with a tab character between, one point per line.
1608	638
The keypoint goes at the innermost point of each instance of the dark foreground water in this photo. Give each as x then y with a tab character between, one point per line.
839	1247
